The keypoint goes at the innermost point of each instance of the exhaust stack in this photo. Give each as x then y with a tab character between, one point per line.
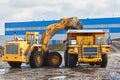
15	37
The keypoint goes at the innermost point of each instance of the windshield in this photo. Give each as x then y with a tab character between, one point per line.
101	40
31	38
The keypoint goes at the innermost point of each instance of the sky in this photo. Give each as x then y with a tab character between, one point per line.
38	10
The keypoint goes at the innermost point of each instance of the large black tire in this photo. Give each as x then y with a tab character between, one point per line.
15	64
45	61
104	61
54	59
92	64
66	58
72	60
36	59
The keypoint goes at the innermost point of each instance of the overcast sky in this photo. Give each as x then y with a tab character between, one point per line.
29	10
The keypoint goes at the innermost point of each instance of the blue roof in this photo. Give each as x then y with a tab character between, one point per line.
92	21
87	21
29	24
24	32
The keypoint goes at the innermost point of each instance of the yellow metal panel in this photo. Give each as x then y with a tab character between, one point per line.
105	49
73	52
95	59
79	40
86	60
73	49
88	40
15	58
85	40
20	55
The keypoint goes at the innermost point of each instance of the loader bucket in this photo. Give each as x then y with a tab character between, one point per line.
71	23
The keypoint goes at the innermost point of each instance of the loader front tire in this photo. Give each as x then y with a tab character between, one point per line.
36	59
54	59
15	64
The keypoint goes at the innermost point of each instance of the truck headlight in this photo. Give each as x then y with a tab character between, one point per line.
103	49
73	42
75	48
39	49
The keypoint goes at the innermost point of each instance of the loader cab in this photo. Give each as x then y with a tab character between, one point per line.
32	37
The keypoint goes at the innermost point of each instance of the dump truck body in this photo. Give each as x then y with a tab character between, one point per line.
88	46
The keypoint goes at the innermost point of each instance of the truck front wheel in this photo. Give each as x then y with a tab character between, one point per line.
104	61
70	60
66	58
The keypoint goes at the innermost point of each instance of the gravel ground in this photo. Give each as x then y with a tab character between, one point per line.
81	72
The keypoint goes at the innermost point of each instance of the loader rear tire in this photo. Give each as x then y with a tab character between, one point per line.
36	59
15	64
54	59
104	61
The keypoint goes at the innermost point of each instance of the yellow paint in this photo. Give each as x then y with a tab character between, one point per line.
86	60
55	59
38	59
88	40
24	49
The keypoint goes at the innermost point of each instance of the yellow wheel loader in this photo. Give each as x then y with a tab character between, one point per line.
87	46
35	53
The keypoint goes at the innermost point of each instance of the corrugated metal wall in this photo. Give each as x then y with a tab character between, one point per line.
113	24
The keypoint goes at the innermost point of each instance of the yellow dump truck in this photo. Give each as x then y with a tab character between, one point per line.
87	46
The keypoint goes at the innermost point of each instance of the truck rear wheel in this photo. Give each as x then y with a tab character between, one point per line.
15	64
36	59
104	61
54	59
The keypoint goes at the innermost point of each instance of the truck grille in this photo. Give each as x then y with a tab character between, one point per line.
90	52
11	49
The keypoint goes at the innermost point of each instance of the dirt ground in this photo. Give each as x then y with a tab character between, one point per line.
81	72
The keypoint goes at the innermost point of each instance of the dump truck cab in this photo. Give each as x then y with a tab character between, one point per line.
87	46
19	51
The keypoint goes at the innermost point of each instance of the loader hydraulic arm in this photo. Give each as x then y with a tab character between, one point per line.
51	30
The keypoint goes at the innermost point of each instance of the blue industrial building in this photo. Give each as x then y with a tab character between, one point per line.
113	24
